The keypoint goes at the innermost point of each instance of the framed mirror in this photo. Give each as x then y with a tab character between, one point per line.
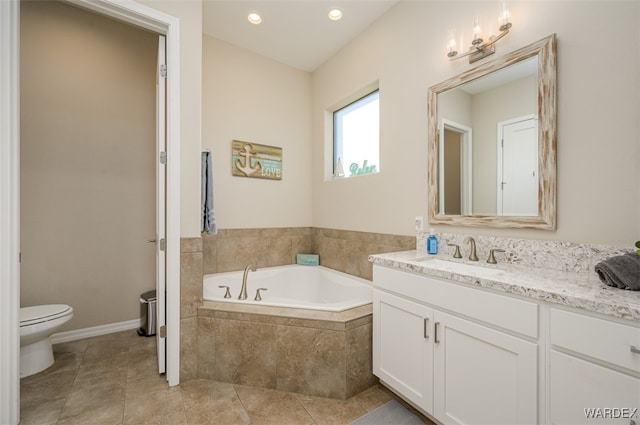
492	142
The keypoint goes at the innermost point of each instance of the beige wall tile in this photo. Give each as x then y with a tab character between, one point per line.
359	375
188	349
190	245
311	361
206	347
190	283
245	353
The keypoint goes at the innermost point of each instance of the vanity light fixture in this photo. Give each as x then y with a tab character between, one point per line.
479	47
335	14
254	18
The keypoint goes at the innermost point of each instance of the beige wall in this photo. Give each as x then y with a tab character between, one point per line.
250	98
598	87
87	162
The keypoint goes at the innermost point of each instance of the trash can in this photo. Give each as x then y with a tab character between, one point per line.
148	314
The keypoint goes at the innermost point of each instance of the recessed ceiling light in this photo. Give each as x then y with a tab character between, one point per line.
335	14
254	18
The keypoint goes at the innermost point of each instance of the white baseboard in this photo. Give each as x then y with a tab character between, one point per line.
76	334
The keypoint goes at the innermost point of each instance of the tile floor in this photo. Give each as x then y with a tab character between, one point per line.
112	380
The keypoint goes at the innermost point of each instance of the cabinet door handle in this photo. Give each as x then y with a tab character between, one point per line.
435	332
635	349
425	327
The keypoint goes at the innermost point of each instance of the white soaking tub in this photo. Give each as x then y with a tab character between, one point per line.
293	286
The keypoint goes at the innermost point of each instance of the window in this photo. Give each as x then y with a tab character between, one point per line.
356	137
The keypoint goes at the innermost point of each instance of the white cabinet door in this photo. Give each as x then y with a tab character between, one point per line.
403	347
583	392
482	376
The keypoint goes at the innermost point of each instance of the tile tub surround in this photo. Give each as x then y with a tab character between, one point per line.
342	250
233	249
323	354
582	290
348	251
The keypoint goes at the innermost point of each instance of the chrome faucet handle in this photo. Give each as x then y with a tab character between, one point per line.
227	293
258	297
457	253
492	258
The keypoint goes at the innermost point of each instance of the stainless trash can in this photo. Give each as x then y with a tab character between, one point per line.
148	314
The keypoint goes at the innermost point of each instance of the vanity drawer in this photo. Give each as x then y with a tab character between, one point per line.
513	314
600	339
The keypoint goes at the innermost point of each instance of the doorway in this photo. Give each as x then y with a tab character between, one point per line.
455	168
88	191
135	14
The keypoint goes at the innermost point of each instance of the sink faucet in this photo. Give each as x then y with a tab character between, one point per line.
243	291
472	255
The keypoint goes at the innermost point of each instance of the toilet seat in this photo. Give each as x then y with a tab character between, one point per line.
43	313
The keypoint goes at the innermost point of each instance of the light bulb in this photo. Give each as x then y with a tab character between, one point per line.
503	18
451	44
335	14
477	31
254	18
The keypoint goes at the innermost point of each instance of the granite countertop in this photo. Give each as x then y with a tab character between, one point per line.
583	290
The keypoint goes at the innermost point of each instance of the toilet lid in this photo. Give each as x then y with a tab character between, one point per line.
43	313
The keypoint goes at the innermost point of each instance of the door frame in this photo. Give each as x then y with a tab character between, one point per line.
466	165
169	26
10	212
140	16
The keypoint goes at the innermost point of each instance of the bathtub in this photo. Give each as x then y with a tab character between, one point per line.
293	286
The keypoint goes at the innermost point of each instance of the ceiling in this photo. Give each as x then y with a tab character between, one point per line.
295	32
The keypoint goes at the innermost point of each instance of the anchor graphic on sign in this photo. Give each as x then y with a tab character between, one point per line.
248	169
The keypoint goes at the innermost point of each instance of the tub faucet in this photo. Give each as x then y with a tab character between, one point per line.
472	255
243	291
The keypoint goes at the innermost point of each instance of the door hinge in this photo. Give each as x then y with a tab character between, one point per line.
163	244
163	331
163	70
163	158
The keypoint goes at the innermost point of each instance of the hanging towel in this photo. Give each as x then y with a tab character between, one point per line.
621	271
207	212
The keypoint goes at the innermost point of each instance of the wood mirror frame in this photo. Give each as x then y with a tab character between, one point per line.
545	50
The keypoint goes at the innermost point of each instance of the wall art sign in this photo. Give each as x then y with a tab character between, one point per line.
255	160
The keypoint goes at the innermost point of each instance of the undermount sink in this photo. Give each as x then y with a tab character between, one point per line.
456	267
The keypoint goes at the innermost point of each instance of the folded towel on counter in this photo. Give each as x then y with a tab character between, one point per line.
622	271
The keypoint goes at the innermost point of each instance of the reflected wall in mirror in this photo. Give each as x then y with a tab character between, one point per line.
492	140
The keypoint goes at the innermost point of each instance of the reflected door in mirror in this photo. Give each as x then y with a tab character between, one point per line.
518	167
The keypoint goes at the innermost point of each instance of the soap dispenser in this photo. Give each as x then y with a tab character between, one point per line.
432	243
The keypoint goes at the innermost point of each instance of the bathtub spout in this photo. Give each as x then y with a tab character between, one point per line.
243	291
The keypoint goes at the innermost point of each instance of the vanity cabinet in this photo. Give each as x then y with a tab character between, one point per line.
464	356
403	347
594	370
481	375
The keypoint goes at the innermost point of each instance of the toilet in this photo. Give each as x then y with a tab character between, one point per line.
37	324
